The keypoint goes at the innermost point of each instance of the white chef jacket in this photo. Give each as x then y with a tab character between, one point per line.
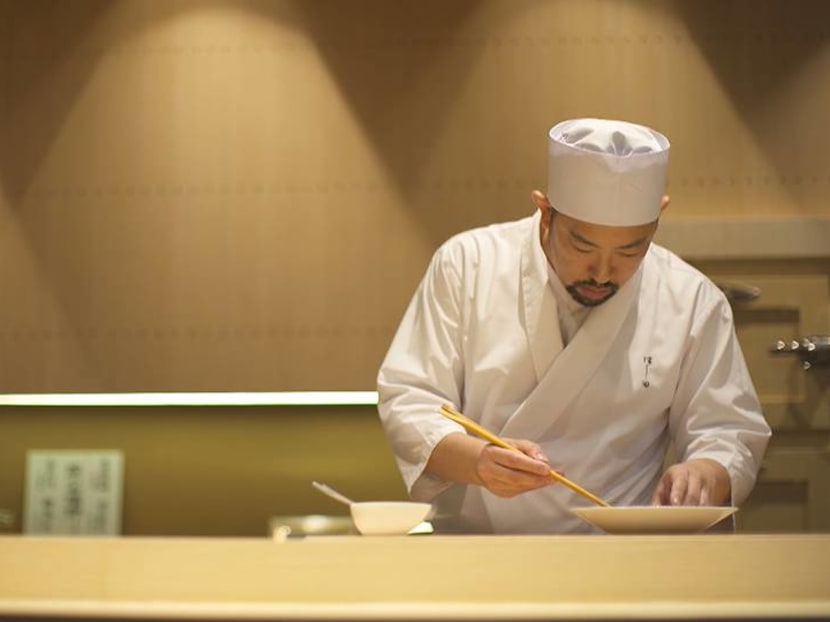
658	362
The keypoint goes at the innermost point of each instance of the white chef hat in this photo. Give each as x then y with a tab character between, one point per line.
607	172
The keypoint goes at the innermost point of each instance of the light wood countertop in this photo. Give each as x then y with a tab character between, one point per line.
418	577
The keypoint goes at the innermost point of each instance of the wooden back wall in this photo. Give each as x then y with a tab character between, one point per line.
209	195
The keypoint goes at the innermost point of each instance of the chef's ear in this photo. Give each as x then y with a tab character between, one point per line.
541	202
664	203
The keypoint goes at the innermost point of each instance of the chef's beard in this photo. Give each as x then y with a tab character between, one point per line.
591	302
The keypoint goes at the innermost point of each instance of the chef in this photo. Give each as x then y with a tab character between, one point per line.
588	346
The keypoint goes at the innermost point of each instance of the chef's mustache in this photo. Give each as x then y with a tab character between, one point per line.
609	285
573	290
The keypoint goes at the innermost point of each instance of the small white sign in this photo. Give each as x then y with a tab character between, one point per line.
73	492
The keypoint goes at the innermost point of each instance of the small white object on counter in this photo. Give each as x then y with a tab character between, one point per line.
388	518
382	518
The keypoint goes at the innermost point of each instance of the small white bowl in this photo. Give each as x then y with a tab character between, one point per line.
388	518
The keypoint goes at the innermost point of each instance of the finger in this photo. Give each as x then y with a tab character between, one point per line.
522	477
529	448
705	495
707	490
679	485
659	496
518	461
522	480
507	482
693	490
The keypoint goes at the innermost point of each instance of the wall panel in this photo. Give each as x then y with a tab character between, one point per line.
202	195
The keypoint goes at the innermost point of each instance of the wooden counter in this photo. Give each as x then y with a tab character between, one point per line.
418	577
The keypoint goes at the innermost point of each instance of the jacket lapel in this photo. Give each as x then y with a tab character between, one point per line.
572	367
541	318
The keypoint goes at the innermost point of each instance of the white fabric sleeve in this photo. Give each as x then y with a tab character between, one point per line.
716	413
423	369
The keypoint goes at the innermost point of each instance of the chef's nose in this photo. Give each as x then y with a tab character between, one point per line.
603	270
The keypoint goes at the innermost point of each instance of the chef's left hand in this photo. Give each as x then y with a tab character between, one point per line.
694	482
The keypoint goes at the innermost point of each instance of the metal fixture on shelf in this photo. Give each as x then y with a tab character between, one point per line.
739	292
813	350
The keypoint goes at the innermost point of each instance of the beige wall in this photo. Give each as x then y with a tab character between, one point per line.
209	195
214	195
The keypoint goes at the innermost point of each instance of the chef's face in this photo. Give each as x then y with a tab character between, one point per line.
592	261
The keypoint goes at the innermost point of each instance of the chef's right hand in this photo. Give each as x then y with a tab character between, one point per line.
507	473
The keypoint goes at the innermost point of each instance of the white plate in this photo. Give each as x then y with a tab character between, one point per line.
653	519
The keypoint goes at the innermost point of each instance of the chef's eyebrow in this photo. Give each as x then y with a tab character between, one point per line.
631	245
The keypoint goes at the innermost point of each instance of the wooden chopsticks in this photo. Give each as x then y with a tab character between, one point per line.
471	426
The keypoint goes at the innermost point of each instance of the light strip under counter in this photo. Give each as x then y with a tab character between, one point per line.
278	398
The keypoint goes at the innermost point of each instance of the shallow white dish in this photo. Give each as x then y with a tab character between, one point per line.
653	519
388	518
